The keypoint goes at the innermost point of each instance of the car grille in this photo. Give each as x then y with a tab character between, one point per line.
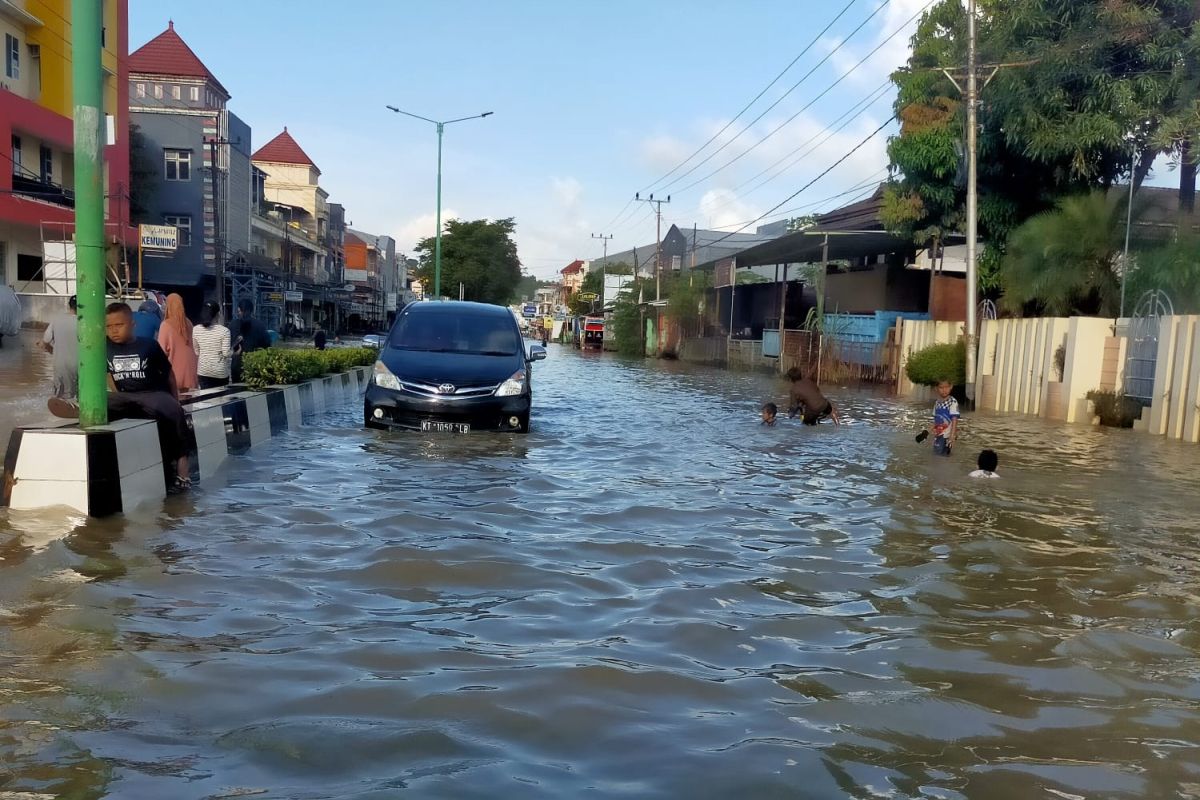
432	392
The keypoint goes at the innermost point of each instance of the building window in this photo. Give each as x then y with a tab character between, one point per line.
676	262
47	159
141	90
158	91
29	268
16	155
184	224
178	165
12	56
194	94
177	92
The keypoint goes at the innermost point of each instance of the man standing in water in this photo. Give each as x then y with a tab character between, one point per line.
62	340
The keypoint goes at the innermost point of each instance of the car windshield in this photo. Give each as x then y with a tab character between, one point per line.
478	334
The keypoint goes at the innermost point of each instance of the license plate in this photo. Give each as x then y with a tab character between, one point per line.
445	427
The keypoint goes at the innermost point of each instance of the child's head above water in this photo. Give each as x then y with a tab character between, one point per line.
988	461
794	374
769	411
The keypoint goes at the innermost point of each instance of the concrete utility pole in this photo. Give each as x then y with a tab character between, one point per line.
88	87
603	264
658	204
972	199
218	239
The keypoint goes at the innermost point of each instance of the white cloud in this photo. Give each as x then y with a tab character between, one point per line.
408	233
567	193
662	152
892	54
722	209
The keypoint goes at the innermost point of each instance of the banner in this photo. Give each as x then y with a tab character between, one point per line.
158	237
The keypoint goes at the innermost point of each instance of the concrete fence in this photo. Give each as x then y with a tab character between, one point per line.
1175	406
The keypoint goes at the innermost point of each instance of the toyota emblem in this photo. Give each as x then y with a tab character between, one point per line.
446	388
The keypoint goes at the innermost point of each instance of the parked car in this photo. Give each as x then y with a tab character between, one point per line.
374	340
452	366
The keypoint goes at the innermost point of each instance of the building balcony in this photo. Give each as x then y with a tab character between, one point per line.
43	190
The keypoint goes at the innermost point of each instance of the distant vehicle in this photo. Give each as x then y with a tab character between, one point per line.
593	333
455	367
374	340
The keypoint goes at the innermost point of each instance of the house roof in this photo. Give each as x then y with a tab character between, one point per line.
283	150
572	268
168	54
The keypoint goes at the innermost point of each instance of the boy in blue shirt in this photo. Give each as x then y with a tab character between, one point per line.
945	420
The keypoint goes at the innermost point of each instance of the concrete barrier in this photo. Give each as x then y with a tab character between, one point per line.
115	467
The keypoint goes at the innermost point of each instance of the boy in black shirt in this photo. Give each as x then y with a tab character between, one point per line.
142	386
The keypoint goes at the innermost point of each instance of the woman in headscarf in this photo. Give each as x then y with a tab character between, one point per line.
175	338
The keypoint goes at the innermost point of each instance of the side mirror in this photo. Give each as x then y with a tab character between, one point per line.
537	352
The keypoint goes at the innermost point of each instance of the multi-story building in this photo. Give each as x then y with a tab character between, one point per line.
373	269
198	155
293	220
36	126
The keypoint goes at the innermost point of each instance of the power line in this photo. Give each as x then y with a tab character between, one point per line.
796	85
758	96
827	90
827	170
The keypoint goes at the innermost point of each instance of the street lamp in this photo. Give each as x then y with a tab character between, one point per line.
437	242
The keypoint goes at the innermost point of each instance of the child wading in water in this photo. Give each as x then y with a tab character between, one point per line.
945	420
769	412
806	399
988	461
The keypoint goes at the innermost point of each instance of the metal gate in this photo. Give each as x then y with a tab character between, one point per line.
1142	349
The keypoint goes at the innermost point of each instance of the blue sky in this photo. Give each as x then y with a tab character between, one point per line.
593	101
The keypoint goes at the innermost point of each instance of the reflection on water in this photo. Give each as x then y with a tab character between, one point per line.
648	596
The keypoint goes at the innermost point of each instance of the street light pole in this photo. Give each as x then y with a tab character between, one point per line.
437	239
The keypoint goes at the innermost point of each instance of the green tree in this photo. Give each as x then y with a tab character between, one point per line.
627	324
480	254
1092	74
1173	267
593	284
1064	262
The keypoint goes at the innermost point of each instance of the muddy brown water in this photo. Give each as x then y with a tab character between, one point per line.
650	596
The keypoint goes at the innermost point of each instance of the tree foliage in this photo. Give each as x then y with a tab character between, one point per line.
480	254
937	363
1064	262
1095	81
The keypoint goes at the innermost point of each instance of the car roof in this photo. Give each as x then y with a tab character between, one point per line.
457	307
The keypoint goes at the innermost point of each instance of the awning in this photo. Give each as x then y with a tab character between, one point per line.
807	247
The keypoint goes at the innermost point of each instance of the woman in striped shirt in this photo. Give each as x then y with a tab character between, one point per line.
212	343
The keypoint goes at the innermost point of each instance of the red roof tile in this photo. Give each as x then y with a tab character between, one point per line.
572	268
168	54
283	150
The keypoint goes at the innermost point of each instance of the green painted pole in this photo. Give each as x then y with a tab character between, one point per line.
437	241
88	91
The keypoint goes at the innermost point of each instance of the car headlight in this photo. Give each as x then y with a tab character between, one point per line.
515	385
384	378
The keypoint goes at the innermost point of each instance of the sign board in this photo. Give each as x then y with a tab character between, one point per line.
723	274
58	267
613	286
588	297
294	297
158	237
391	301
272	298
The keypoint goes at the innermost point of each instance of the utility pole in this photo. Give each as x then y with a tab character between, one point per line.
603	265
218	239
658	204
88	86
972	199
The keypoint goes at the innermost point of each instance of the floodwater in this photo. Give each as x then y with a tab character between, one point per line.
650	596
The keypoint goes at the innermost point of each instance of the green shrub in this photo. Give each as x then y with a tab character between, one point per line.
1115	410
937	363
274	366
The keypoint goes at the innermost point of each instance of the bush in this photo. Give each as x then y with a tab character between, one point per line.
274	366
937	363
1115	410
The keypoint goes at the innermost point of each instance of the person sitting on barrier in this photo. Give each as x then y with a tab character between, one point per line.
769	412
141	386
805	398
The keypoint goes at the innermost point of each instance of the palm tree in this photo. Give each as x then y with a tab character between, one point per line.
1064	262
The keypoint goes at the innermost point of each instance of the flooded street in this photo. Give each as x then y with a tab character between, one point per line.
649	596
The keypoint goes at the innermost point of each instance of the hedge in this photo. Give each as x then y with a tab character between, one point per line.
274	366
937	363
